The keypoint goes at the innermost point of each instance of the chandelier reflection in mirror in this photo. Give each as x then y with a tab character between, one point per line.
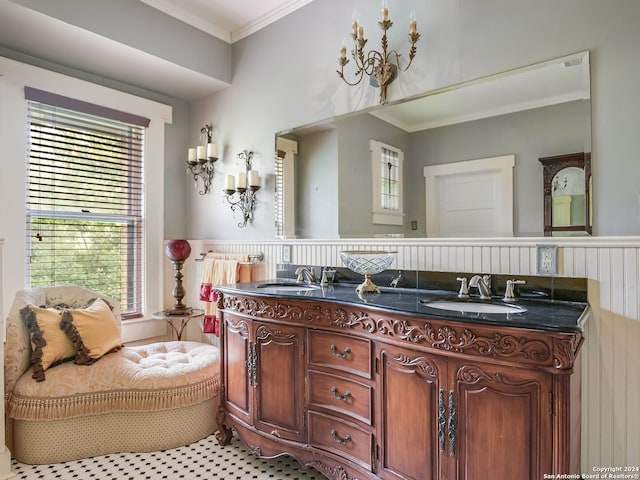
201	159
383	66
245	185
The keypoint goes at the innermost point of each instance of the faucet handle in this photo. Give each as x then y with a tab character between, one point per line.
464	290
509	292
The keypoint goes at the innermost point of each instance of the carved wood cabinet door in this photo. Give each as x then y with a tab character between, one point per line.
411	422
237	392
279	381
502	422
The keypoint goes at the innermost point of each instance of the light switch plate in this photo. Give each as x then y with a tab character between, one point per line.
547	259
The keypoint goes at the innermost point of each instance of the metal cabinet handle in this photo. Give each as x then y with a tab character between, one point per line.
334	434
334	350
249	364
342	398
252	365
452	425
442	420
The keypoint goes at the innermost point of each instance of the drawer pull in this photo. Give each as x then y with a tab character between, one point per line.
344	354
342	398
334	434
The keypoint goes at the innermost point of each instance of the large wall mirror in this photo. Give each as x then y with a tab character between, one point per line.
326	172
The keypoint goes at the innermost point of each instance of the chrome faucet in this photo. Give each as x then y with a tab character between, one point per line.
306	274
509	292
483	284
395	281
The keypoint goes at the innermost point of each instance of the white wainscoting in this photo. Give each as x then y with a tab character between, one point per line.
611	352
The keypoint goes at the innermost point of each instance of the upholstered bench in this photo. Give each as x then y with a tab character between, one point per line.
140	398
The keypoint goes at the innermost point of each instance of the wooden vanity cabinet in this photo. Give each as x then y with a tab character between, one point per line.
364	394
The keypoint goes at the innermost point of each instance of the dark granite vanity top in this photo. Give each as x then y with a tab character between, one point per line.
539	314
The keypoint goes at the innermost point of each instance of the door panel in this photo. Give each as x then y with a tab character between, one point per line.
236	353
409	393
280	381
503	423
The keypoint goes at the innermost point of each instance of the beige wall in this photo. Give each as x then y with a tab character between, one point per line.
610	353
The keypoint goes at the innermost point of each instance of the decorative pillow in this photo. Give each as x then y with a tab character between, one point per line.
49	344
93	330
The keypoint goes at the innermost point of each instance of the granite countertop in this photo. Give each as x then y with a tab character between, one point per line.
539	314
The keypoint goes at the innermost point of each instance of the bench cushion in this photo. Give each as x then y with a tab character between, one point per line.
158	376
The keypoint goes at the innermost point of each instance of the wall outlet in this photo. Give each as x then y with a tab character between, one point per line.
414	225
547	259
286	254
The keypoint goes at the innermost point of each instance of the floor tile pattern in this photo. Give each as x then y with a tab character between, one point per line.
201	460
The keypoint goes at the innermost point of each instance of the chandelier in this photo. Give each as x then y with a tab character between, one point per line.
384	65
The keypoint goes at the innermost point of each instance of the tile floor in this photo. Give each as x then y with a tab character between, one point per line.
201	460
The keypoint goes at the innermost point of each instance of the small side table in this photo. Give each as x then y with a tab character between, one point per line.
173	320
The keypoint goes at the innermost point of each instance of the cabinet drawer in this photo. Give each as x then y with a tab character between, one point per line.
340	352
341	395
341	437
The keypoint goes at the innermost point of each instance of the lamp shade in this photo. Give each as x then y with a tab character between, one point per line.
178	250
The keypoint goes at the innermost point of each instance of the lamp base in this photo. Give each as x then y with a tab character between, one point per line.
179	310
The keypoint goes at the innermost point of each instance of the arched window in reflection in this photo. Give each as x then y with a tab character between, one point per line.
567	202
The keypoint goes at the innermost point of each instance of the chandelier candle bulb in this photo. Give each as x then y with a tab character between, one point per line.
343	52
212	150
360	33
413	26
254	179
202	152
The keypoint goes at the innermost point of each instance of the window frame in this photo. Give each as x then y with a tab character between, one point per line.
91	121
379	213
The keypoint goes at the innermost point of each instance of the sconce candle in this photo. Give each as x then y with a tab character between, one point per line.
241	182
246	198
229	183
212	150
254	179
192	156
200	160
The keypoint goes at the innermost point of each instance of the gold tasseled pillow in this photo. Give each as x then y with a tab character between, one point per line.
93	330
49	343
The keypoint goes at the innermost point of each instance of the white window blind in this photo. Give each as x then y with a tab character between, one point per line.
85	199
279	193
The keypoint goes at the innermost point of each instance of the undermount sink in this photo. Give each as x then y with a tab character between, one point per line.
288	287
473	307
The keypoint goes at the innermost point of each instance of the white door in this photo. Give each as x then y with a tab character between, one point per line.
470	199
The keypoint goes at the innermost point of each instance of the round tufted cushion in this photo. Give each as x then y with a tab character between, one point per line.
157	376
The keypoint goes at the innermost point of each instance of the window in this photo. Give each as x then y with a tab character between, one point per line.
386	162
85	199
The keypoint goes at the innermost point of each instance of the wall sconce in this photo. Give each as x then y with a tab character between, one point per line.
201	159
246	198
383	66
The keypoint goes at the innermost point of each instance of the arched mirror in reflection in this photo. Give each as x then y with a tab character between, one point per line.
566	187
